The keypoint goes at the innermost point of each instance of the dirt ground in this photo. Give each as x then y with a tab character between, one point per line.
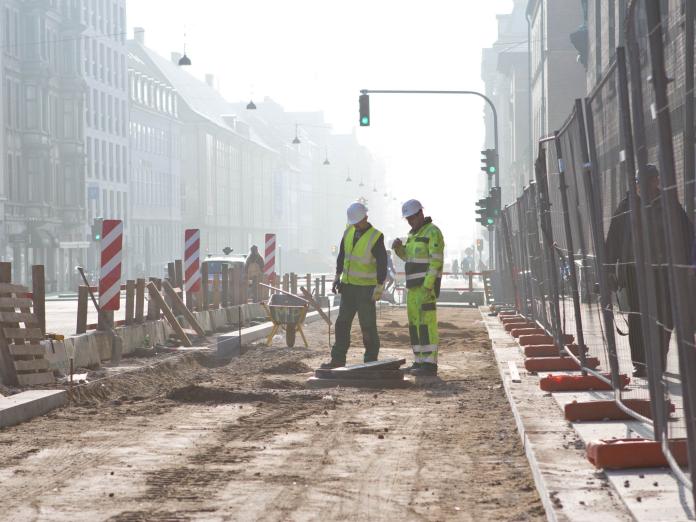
196	438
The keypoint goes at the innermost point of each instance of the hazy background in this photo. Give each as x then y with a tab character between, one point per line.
318	54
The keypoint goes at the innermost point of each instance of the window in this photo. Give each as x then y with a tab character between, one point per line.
103	110
8	101
111	161
69	119
31	101
90	165
97	163
104	160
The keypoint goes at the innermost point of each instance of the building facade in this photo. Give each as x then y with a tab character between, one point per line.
557	77
43	140
505	72
154	181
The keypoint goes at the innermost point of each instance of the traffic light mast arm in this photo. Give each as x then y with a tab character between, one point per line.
475	93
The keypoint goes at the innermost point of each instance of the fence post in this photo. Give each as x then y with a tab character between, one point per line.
323	286
153	309
139	300
130	301
82	304
38	284
293	283
216	291
204	286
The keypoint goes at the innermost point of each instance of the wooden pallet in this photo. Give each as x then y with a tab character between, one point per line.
21	336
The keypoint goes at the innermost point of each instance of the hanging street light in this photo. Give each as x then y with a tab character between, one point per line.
184	61
296	141
251	106
326	161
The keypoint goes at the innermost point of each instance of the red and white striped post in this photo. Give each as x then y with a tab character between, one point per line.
269	258
192	260
110	274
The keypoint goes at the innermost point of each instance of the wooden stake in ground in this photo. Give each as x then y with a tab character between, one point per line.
179	306
156	297
314	304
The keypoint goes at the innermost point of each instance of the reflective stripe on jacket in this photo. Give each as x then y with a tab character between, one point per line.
424	256
359	265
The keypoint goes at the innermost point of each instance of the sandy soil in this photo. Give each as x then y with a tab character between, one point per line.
195	438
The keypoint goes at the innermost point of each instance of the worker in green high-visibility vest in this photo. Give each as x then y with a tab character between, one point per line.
361	268
424	257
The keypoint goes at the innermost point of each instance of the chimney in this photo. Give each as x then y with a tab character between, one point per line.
139	34
175	58
210	80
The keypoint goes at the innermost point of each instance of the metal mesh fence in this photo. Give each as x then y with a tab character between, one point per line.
601	246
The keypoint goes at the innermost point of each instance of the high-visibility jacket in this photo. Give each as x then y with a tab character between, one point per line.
424	256
359	265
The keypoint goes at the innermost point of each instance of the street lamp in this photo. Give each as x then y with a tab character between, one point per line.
348	180
184	60
251	106
296	140
326	161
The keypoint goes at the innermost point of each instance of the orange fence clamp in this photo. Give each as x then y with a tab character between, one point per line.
608	410
634	453
551	364
506	313
549	350
557	383
535	330
526	340
521	323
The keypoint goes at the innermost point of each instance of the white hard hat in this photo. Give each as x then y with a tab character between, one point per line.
356	213
411	207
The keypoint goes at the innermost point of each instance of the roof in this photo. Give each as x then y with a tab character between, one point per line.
202	99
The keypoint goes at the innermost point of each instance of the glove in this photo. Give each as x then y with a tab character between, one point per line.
397	243
377	293
336	287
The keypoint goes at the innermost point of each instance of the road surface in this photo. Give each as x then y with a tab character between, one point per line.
244	440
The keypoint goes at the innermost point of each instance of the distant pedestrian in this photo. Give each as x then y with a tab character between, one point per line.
254	270
455	268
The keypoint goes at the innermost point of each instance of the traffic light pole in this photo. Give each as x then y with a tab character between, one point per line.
491	260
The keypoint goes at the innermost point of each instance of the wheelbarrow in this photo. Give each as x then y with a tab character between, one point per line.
286	312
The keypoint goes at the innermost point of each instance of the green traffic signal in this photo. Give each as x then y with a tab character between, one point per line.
491	169
364	110
364	121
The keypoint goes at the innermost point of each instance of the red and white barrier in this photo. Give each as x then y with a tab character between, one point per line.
111	255
269	258
192	260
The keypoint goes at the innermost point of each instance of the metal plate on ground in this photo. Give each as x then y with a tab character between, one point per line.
367	375
357	382
386	364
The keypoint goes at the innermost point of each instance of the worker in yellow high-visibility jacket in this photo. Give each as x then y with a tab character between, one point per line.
361	268
424	257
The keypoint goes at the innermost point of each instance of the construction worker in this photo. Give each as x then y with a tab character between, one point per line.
424	257
361	268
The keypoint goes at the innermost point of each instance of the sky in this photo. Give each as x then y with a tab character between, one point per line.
317	54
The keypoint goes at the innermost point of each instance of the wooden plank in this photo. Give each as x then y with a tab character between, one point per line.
33	334
514	372
205	290
9	288
157	298
27	349
153	308
31	365
82	304
32	379
130	301
180	308
139	300
179	269
7	373
38	286
15	302
19	317
216	291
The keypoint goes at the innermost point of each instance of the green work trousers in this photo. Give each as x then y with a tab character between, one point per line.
356	299
422	324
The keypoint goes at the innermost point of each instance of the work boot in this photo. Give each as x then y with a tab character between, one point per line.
414	366
331	365
425	370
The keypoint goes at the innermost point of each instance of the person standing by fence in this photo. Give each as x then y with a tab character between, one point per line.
622	265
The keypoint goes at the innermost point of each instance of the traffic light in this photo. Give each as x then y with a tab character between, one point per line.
489	161
479	245
364	110
483	211
97	225
334	250
495	205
